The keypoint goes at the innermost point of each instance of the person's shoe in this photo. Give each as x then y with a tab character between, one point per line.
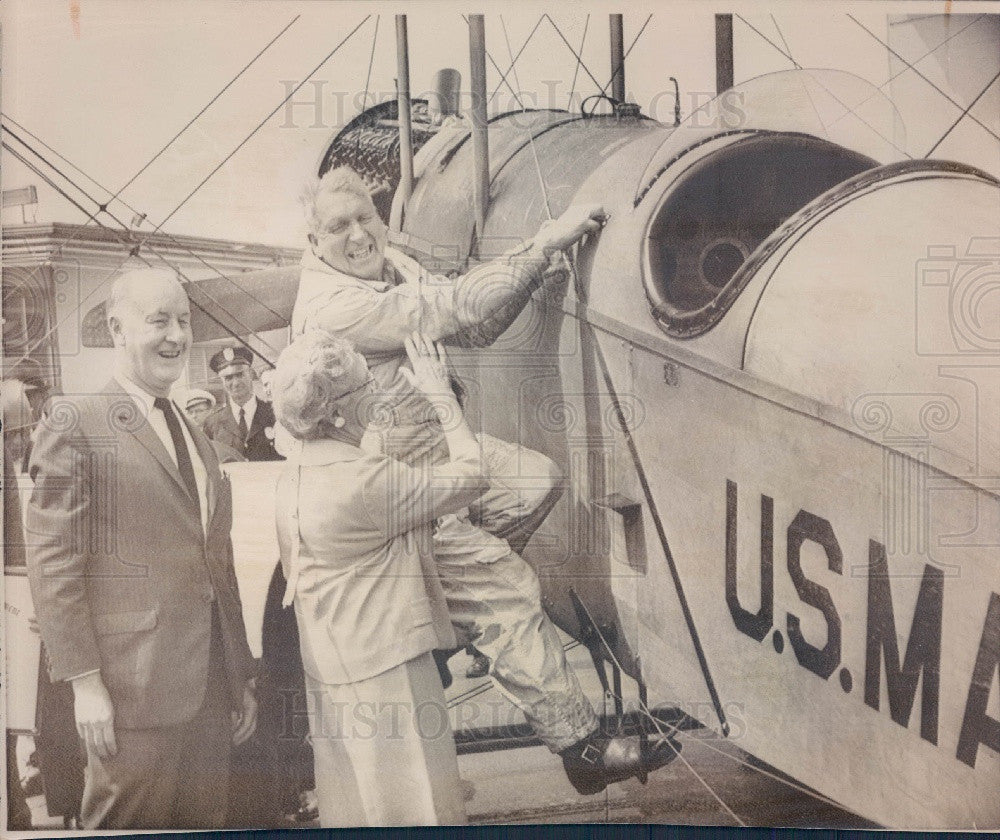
598	761
308	810
480	666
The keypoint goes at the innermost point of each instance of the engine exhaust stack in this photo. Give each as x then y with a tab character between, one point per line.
443	101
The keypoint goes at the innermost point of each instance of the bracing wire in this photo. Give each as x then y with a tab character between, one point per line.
847	108
510	52
576	68
260	125
102	208
371	61
135	248
962	116
784	40
503	76
762	35
569	46
208	105
943	93
628	52
906	67
220	165
132	252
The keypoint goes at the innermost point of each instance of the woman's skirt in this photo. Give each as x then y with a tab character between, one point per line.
384	750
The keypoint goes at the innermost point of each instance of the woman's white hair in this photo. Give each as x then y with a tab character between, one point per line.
308	381
339	179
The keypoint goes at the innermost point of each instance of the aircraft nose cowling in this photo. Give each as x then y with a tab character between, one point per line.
885	307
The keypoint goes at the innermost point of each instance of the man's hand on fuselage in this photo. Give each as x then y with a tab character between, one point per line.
578	221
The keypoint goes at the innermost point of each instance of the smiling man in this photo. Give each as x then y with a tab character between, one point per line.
357	288
132	577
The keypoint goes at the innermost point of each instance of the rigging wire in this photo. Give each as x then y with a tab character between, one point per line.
371	61
569	46
943	93
135	246
102	208
510	52
45	178
576	69
190	122
847	108
628	52
962	116
260	125
514	59
762	35
503	76
644	708
133	251
784	40
812	101
900	72
64	159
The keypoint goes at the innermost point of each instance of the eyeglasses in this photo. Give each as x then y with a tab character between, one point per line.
369	381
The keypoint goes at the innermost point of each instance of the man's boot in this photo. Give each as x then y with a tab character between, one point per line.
599	760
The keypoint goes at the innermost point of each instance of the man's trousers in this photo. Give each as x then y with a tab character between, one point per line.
166	777
493	595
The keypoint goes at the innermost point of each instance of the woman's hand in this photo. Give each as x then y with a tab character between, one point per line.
430	367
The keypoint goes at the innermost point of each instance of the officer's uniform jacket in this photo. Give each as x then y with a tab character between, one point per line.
221	427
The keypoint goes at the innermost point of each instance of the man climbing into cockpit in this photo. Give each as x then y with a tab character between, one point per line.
357	288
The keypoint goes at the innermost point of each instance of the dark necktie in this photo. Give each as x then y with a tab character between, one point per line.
244	432
180	447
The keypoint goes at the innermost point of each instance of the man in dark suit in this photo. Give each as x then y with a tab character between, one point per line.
245	423
131	570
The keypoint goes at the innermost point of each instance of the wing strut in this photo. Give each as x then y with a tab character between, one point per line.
660	531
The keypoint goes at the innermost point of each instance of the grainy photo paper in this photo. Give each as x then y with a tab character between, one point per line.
440	413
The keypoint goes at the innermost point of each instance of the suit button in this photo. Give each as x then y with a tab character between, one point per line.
209	596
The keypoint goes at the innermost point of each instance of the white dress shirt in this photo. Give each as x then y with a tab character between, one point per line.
144	401
249	410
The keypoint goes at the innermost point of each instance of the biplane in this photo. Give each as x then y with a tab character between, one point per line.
770	382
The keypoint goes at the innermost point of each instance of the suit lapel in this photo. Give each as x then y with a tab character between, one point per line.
125	412
208	458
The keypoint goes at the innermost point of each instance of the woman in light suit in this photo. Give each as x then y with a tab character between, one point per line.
354	528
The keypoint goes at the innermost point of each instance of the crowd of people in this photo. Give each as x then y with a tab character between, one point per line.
396	548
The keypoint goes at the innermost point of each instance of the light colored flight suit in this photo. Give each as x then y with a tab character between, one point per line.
493	595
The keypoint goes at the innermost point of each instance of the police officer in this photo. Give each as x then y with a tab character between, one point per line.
245	422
